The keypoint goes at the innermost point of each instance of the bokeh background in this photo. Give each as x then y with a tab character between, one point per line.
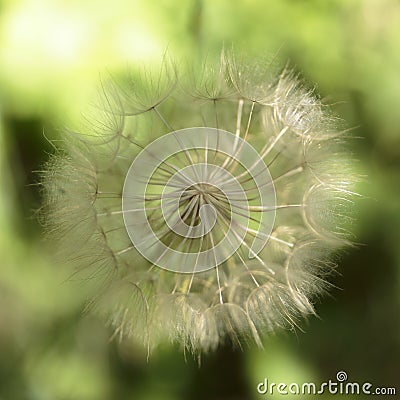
52	53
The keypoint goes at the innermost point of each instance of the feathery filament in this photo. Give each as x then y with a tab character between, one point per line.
203	211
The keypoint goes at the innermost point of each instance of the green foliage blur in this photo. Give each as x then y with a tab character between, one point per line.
52	53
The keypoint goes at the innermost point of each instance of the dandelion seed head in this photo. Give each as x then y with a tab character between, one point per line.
204	207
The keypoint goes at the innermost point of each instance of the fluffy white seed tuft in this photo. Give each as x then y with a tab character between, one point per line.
246	295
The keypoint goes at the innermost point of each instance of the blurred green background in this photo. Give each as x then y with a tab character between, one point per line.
51	56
